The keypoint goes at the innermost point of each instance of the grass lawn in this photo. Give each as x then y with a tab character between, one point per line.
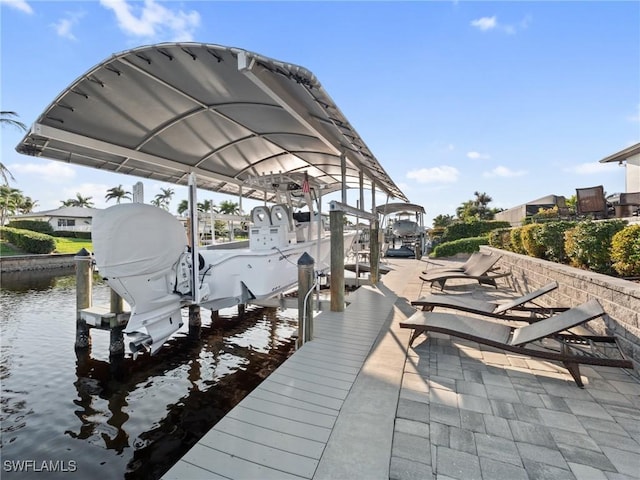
63	245
72	245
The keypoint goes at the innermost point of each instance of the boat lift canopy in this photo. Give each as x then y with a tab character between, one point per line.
227	115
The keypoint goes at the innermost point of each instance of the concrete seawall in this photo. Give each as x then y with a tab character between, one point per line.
36	262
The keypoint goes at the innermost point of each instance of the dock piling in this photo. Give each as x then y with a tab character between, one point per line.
306	266
84	284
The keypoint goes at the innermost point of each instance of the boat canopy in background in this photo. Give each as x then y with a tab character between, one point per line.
228	115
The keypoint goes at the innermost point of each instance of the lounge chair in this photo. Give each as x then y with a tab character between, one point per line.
590	201
573	349
475	256
480	271
494	309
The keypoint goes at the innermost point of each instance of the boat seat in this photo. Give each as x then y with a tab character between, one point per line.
280	216
261	216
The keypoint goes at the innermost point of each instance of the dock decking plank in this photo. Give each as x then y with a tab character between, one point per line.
272	422
287	411
261	453
281	429
279	440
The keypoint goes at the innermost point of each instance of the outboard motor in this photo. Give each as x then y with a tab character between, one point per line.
137	248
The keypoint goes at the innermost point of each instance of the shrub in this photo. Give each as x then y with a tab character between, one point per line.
551	236
625	251
462	245
471	229
72	234
500	238
33	225
531	240
29	241
516	240
588	245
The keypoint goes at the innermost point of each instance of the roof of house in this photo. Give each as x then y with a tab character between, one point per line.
70	212
622	155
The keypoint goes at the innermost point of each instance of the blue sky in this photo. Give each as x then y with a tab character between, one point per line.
515	99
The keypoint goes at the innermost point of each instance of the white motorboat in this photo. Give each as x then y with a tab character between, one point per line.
142	252
403	224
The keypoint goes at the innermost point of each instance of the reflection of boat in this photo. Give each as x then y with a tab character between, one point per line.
142	252
403	227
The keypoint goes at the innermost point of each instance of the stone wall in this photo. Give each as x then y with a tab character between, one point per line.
36	262
619	298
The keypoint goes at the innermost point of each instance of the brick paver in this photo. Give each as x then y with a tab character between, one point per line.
470	412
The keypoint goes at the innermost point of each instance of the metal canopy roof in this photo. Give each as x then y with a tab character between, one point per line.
391	208
229	115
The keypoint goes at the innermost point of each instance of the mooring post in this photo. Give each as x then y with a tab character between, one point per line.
306	266
336	218
84	284
195	321
116	337
374	252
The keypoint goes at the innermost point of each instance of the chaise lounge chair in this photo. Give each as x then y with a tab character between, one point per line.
493	309
475	256
572	352
479	271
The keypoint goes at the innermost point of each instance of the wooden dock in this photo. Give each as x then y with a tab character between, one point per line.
289	426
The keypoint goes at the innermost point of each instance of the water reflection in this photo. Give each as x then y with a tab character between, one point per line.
128	419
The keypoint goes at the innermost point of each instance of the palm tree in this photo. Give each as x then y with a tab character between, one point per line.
27	205
229	207
162	200
10	199
79	201
6	118
118	193
183	206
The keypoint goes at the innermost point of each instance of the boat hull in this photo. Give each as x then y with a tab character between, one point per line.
141	252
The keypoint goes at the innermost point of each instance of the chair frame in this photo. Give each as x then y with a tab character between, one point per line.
424	322
591	201
500	311
479	271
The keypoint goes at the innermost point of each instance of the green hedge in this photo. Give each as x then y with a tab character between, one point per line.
28	241
625	251
463	245
588	244
33	225
551	236
479	228
71	234
500	238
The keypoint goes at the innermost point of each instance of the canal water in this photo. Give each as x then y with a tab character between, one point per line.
80	415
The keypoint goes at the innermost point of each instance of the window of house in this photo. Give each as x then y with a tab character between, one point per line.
66	222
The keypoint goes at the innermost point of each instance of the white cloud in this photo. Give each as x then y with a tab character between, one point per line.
591	168
478	156
64	25
153	20
50	172
485	24
504	172
21	5
443	174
